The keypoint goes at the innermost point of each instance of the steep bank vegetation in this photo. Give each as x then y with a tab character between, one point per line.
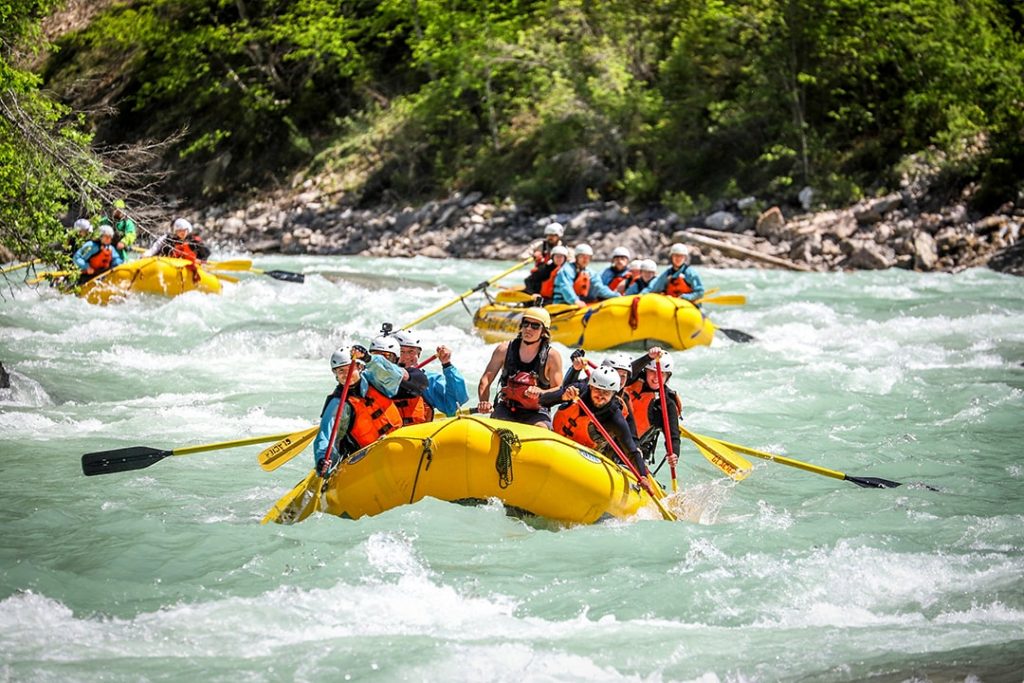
670	101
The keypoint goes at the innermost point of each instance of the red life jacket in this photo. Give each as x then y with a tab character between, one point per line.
517	376
573	423
677	284
374	415
414	410
102	259
547	288
581	285
184	251
630	279
641	397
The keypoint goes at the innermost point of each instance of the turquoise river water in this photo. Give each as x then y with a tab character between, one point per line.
166	574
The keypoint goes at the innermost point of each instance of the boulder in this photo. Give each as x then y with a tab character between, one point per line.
872	210
806	197
721	220
925	252
771	224
870	256
433	251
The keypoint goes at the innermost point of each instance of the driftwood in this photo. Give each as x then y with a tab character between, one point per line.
744	252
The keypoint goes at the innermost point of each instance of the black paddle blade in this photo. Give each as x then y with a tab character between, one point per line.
121	460
873	482
737	336
287	276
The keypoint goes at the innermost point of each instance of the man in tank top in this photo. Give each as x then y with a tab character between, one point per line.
530	374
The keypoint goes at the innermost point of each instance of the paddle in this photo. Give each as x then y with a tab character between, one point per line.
50	275
480	287
141	457
725	300
272	457
512	296
19	266
245	265
864	482
737	336
721	455
664	420
629	463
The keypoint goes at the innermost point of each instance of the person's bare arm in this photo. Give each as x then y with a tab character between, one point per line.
490	374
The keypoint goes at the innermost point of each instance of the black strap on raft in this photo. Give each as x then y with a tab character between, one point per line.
508	445
427	453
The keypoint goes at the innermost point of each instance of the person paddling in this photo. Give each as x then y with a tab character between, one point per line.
615	275
577	284
446	390
180	244
124	228
97	256
530	374
679	279
368	413
542	257
642	393
648	271
409	397
600	397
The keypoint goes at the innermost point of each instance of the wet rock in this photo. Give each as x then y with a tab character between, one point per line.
5	379
870	256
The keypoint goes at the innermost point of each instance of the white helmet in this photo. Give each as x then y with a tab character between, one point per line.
679	249
83	224
605	378
634	264
341	358
621	251
182	224
648	266
560	250
584	250
406	338
386	345
554	229
618	361
666	364
106	230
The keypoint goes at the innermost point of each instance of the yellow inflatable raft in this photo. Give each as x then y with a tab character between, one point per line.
469	459
647	319
151	275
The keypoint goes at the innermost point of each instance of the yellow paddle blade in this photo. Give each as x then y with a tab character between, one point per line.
511	296
225	278
297	504
732	464
725	300
287	448
233	264
51	275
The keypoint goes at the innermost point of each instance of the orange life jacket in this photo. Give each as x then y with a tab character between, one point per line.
630	279
621	277
414	410
641	397
573	423
102	259
581	285
547	288
677	284
374	415
517	376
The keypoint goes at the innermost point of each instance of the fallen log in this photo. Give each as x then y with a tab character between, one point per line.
736	250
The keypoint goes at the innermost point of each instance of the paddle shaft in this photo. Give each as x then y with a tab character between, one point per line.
337	416
481	286
664	423
19	266
427	362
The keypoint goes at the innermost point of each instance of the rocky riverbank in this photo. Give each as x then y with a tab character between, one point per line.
912	229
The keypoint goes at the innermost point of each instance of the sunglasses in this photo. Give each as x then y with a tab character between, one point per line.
531	325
